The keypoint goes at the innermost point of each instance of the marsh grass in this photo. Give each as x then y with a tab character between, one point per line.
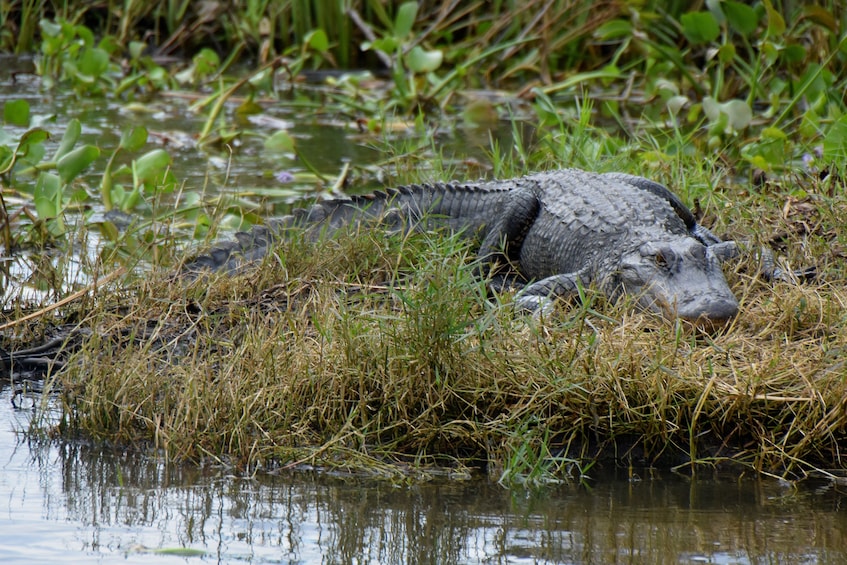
384	355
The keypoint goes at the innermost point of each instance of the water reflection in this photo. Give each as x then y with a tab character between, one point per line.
73	502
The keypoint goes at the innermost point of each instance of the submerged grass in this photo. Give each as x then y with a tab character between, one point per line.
383	355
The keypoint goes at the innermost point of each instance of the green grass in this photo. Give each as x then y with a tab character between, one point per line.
385	356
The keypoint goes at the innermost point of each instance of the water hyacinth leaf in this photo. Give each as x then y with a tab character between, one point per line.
6	159
16	113
776	23
735	114
93	62
151	166
405	19
136	49
676	103
317	40
280	142
31	140
69	139
206	62
249	108
741	17
794	53
75	162
835	141
133	138
384	44
421	61
109	230
49	28
83	33
48	195
726	53
700	27
110	45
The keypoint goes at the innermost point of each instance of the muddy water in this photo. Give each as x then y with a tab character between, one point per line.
87	503
80	503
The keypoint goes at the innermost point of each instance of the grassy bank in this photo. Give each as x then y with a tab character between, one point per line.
384	356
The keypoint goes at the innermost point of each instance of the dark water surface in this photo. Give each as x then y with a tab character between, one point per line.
75	503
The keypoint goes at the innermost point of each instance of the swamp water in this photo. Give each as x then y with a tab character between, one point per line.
77	503
88	503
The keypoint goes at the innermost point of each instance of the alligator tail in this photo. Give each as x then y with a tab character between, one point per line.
467	206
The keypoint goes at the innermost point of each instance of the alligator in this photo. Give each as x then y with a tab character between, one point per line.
545	234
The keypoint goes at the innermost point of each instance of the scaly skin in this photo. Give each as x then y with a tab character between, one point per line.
555	230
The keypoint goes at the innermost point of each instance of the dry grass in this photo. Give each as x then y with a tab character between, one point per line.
383	355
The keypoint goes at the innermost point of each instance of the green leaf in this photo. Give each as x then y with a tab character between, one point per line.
317	40
206	62
733	114
280	142
69	139
776	24
109	231
6	159
420	61
249	108
700	27
49	28
151	166
741	17
613	29
136	49
405	19
386	44
726	53
30	139
85	34
75	162
835	141
48	196
16	112
794	53
773	133
133	138
93	62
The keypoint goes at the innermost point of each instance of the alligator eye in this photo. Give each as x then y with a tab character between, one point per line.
661	262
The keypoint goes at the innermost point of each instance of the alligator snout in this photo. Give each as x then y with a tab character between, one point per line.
711	311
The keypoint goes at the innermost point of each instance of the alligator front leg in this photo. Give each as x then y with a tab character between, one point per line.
538	296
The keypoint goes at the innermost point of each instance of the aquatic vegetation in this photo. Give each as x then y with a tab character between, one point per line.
385	354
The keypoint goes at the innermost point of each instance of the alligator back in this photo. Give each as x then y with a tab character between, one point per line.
466	207
589	220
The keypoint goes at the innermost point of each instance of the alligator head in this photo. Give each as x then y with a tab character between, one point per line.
679	278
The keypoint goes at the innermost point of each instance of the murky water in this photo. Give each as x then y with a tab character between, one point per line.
80	503
77	503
